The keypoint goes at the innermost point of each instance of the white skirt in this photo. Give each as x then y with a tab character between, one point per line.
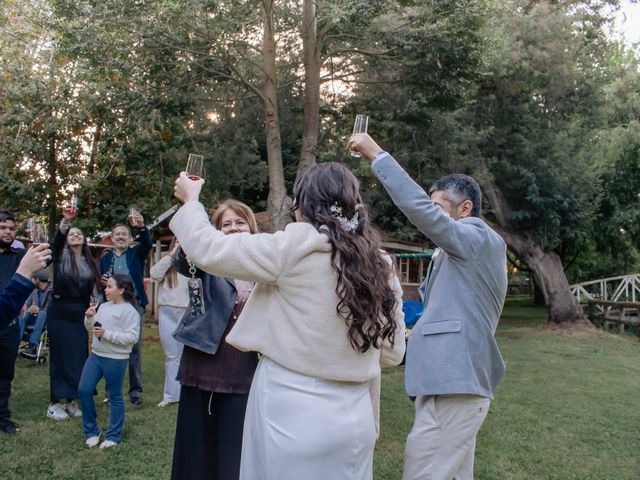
299	427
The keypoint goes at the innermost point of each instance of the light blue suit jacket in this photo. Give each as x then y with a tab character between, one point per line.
452	349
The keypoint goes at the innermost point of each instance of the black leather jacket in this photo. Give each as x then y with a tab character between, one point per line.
205	332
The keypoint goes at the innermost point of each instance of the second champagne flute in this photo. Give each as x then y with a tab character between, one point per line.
195	167
360	126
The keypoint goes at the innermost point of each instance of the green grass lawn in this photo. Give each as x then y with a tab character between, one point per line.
567	408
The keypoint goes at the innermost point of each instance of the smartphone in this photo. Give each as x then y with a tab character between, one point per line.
97	324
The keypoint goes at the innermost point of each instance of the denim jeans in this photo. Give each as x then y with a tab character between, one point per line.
113	371
169	319
41	319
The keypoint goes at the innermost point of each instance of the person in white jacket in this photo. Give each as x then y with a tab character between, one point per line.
173	300
116	329
324	314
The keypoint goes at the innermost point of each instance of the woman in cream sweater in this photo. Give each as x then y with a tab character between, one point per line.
325	314
173	300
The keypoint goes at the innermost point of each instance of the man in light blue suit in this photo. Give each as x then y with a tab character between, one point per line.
453	363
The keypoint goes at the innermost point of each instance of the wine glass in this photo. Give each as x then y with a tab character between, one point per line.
133	211
93	301
72	207
195	167
30	229
39	233
360	126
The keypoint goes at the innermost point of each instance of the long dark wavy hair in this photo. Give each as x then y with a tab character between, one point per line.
129	291
85	252
366	301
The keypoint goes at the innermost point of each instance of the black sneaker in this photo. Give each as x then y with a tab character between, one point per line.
9	427
136	401
30	352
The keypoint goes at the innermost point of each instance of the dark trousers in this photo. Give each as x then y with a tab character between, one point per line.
9	340
135	369
208	440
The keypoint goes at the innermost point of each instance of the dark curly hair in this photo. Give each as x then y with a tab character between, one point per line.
324	193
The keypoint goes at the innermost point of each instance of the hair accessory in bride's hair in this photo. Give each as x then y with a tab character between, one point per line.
350	225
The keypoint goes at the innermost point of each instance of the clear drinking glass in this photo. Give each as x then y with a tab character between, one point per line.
30	229
39	233
195	167
72	207
133	211
360	126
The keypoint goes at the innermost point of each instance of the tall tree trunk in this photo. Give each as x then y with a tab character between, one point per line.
549	277
538	296
312	65
546	267
91	167
277	203
97	136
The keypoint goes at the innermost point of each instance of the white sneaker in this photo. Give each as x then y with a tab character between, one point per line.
108	444
56	411
163	403
92	441
73	409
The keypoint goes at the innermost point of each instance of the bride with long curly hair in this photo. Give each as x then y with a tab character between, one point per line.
325	314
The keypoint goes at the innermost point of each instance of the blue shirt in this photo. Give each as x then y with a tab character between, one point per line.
120	265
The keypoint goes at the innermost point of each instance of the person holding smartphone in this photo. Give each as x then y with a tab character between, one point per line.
115	328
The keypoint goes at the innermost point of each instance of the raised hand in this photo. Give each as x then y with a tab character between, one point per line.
34	260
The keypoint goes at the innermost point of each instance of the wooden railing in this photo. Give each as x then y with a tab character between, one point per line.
625	288
618	313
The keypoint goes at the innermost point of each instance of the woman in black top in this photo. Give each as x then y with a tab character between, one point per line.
75	279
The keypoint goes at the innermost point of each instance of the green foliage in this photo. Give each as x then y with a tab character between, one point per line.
106	100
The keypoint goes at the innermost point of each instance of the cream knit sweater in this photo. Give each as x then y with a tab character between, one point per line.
178	296
121	323
291	314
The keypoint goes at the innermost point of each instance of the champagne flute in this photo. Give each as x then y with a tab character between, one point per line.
31	229
133	211
93	301
195	167
360	126
72	207
40	234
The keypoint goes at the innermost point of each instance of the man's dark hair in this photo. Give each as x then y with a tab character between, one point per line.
6	215
459	187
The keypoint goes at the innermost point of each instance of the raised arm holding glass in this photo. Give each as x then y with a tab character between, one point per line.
453	362
325	314
75	279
